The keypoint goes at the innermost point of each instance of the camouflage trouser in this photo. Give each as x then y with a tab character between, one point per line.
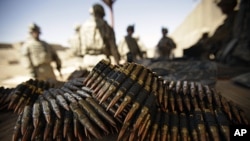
44	72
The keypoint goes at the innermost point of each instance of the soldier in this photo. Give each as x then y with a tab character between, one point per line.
75	42
75	51
40	55
218	42
165	45
129	48
198	50
97	39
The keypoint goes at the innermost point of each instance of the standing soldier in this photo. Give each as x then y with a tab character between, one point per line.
129	48
75	47
40	55
98	39
165	45
218	42
75	42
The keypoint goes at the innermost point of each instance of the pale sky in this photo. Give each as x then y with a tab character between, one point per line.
58	17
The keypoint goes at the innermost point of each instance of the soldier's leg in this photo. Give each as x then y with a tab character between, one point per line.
45	72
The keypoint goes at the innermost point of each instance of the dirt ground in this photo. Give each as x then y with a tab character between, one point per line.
14	71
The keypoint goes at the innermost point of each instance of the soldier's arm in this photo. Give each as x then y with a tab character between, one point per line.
54	55
172	43
139	50
220	34
27	59
26	52
113	46
57	60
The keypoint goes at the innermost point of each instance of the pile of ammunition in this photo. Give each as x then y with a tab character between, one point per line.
153	108
127	99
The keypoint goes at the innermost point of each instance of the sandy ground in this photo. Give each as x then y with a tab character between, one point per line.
14	71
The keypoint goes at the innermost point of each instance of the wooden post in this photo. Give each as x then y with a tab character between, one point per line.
109	3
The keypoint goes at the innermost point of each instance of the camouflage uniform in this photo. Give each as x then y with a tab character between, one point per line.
129	48
219	41
222	35
165	45
230	42
40	55
97	39
75	42
123	49
75	48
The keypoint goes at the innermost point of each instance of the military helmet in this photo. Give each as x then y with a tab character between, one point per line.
164	29
130	28
34	27
98	10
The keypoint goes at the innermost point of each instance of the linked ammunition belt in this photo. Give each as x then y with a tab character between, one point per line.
128	99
